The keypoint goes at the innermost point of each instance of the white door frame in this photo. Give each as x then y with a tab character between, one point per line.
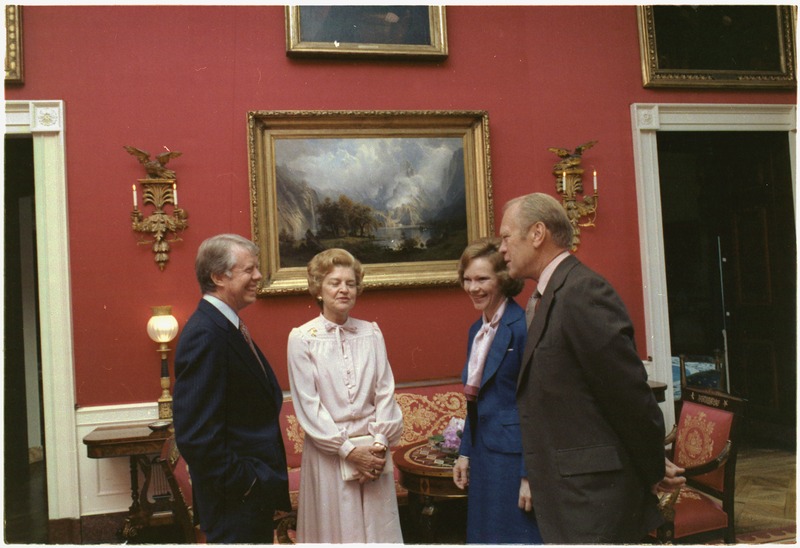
646	120
44	121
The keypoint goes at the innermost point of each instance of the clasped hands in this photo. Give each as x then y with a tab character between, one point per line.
369	460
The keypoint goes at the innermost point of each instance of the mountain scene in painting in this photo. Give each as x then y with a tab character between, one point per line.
385	200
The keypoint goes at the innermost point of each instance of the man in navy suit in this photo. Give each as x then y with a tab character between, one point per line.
592	432
227	402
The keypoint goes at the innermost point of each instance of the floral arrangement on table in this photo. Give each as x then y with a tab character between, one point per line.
450	439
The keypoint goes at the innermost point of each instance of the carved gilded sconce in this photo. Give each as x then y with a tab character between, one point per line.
159	189
569	182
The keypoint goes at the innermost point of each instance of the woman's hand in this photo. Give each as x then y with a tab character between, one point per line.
368	460
525	498
461	472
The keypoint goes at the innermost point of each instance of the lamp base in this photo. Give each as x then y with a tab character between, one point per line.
165	407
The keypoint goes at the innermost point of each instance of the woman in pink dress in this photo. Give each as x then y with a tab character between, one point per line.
343	392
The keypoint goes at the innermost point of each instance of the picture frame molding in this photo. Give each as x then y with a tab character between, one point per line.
654	76
266	126
436	50
14	64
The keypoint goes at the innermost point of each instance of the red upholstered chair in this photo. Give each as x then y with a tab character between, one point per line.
180	483
705	444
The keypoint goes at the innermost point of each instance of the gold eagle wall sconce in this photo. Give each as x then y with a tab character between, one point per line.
159	189
569	182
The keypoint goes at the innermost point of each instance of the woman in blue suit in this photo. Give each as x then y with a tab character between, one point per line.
490	457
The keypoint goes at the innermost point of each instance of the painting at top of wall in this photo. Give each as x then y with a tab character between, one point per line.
402	31
732	46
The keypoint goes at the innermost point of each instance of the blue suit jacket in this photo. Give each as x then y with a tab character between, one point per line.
226	417
497	409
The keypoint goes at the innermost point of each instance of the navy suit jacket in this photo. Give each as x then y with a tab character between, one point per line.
226	417
592	432
497	411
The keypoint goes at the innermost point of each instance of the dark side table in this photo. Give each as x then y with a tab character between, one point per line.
136	443
427	472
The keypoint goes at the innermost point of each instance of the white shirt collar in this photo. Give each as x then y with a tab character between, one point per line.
548	271
223	307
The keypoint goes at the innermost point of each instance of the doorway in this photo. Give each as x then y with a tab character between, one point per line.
730	258
25	493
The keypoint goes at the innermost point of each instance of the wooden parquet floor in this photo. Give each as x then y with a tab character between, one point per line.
765	489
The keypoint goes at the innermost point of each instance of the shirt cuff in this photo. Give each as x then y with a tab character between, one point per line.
383	440
346	448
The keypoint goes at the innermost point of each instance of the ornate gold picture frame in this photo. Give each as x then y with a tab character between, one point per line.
404	191
717	46
402	31
14	73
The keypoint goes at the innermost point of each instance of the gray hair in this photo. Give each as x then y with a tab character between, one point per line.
539	207
216	256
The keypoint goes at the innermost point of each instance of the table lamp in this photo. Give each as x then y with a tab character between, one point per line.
162	328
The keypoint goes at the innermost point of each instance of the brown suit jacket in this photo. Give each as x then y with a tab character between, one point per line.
592	432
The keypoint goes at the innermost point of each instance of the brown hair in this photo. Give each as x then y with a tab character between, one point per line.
489	248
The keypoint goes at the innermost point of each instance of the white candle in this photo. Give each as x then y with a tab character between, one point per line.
564	181
175	193
134	196
595	181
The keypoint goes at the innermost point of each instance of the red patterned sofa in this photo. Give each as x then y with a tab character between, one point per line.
427	408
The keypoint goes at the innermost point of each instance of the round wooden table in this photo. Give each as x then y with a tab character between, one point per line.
427	472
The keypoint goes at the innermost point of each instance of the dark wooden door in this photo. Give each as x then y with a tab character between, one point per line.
728	210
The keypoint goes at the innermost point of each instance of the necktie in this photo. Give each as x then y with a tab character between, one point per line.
533	305
246	334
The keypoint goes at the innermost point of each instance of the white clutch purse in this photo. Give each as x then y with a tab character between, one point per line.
350	472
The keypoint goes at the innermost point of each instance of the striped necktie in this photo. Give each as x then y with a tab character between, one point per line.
246	334
532	307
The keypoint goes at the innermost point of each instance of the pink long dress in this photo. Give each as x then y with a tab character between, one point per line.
342	386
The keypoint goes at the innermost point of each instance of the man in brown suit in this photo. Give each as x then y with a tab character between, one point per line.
592	431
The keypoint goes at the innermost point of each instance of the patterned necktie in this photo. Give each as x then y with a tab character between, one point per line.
532	307
246	334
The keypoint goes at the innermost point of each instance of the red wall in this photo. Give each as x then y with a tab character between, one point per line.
185	77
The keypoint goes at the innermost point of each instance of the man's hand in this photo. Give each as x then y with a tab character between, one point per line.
672	478
461	472
525	498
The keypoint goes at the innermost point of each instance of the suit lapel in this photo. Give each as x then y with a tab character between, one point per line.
236	339
496	352
250	361
537	327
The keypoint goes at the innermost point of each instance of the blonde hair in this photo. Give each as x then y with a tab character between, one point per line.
323	264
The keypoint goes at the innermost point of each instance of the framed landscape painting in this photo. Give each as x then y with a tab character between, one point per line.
401	31
718	46
403	191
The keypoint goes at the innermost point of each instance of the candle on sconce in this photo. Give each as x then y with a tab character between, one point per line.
595	181
564	181
135	203
175	192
